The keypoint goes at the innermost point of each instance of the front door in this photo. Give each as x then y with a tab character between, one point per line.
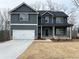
46	32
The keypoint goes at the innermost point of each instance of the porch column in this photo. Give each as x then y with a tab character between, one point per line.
41	31
53	32
70	32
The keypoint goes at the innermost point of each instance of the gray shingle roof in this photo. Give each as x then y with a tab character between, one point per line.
55	13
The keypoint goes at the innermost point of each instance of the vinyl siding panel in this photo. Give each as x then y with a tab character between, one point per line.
24	8
32	19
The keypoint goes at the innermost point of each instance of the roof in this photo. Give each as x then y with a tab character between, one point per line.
42	12
58	25
22	5
55	13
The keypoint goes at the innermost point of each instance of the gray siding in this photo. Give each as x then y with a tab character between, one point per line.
63	33
49	29
15	18
62	20
44	31
45	15
52	19
32	14
32	19
22	27
24	8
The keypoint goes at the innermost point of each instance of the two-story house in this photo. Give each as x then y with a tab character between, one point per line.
27	23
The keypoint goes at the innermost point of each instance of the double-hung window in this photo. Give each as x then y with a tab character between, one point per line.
23	16
59	20
59	31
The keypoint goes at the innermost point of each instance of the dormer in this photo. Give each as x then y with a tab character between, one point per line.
47	17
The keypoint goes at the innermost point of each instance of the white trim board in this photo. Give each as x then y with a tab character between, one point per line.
24	12
23	24
47	12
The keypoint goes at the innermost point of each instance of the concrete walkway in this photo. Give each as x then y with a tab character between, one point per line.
13	48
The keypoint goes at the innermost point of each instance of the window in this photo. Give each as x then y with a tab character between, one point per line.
59	20
24	17
59	31
46	19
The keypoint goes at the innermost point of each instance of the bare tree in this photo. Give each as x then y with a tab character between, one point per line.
60	7
71	18
1	21
37	5
5	18
43	7
76	3
50	4
4	24
54	6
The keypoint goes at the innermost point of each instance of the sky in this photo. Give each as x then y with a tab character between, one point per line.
13	3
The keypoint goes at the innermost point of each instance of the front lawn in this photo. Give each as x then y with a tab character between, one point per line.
51	50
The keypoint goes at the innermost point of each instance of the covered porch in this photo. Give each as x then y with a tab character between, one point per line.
55	32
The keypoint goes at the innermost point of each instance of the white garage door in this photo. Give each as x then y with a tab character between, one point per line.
23	34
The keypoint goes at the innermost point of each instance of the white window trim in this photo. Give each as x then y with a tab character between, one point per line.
24	12
47	12
23	24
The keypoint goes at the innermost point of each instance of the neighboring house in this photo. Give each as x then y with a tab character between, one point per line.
27	23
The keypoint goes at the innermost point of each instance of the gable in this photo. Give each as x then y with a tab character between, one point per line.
23	8
47	14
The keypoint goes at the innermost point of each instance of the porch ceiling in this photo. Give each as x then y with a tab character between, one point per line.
57	25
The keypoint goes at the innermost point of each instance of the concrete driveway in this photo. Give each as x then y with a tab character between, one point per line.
13	48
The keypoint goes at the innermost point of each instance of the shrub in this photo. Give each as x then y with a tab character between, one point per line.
4	35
